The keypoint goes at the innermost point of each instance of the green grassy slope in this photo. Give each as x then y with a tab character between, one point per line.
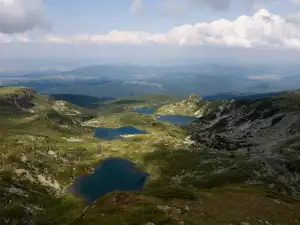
130	102
46	144
36	161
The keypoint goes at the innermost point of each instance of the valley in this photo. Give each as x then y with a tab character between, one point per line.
236	163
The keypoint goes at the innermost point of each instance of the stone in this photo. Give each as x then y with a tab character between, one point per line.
244	223
52	153
149	223
186	208
46	181
23	158
163	207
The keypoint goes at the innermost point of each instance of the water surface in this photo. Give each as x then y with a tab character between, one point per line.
177	119
115	133
113	174
145	110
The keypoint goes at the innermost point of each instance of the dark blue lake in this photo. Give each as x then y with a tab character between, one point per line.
113	174
147	111
177	119
115	133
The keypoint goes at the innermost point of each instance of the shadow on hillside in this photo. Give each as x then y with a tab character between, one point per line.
181	170
81	100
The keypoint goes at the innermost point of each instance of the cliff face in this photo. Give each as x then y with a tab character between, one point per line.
265	132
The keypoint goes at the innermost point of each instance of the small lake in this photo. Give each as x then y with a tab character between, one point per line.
177	119
113	174
145	110
115	133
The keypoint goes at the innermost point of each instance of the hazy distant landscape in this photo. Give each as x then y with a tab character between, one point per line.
207	80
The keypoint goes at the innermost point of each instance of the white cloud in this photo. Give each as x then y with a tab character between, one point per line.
10	38
293	18
262	29
18	16
55	39
113	37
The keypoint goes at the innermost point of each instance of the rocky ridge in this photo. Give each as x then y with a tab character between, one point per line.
191	106
266	132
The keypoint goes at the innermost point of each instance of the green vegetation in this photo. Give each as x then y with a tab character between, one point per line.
219	206
191	106
45	144
124	104
10	90
289	102
80	100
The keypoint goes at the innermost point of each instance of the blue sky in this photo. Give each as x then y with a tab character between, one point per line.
96	28
100	16
76	16
103	16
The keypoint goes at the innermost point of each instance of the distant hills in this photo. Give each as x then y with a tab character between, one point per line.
242	96
117	81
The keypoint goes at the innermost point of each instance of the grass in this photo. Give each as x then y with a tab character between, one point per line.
167	192
28	137
230	205
195	169
124	208
288	102
195	186
125	104
149	99
10	90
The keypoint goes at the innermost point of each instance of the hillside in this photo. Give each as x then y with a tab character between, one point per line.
191	106
37	158
81	100
45	144
264	134
237	164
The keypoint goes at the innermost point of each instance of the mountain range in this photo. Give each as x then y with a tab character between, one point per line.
236	163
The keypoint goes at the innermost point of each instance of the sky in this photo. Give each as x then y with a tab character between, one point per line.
241	30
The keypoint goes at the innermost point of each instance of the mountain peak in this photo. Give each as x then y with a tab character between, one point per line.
193	98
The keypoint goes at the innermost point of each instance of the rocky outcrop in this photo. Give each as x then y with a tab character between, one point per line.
191	106
20	98
264	132
248	124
